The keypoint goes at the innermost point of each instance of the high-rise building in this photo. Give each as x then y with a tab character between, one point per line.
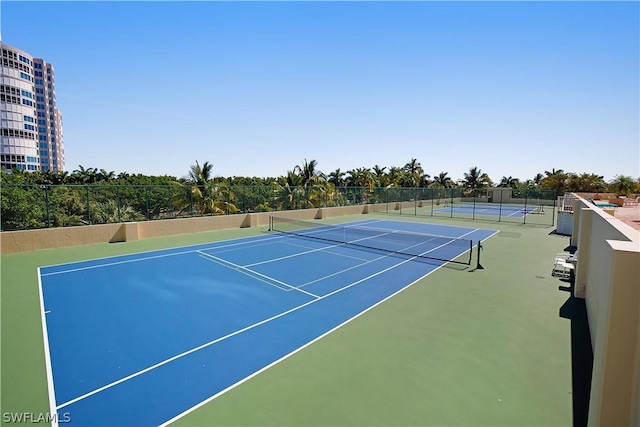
30	122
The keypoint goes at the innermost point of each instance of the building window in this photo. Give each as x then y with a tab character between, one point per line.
28	119
27	102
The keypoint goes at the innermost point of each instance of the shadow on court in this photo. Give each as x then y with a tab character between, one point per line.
575	310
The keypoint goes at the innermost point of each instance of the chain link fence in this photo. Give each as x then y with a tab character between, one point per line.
530	206
42	206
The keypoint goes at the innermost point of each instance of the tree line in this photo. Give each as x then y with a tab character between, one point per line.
307	173
90	195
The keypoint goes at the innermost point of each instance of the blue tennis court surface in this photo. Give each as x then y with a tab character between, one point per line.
142	339
490	210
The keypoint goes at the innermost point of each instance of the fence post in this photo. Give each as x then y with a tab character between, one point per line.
46	197
451	193
118	203
86	187
171	201
146	192
191	200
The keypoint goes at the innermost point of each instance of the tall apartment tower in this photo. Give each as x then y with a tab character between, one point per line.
30	122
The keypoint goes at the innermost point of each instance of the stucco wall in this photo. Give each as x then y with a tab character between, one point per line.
608	277
51	238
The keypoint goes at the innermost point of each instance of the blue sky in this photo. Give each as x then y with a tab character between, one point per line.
515	88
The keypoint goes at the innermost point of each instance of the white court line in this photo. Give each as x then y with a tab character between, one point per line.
250	272
260	279
286	356
217	340
279	237
47	356
232	334
325	247
344	271
245	240
295	245
375	259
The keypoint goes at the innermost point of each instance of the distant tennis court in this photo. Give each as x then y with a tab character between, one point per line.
492	209
144	339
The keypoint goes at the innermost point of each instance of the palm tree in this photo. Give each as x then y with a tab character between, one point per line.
308	173
395	176
425	180
509	182
206	196
337	178
475	178
105	176
83	176
200	175
361	177
381	178
414	169
443	180
289	190
198	182
538	178
554	172
623	184
588	182
555	180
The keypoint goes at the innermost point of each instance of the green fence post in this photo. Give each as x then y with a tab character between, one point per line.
451	194
170	201
46	197
88	208
118	203
473	212
500	208
146	192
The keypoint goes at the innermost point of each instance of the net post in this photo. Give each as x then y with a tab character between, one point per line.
478	265
270	222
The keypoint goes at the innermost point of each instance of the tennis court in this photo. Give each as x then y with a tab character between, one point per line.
144	338
491	210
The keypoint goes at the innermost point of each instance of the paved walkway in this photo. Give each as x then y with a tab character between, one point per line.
629	215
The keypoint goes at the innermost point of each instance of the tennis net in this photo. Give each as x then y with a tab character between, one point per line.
441	248
525	209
